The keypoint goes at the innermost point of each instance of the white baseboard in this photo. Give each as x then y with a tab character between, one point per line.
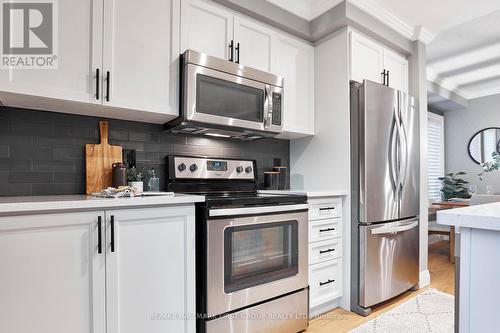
324	308
424	279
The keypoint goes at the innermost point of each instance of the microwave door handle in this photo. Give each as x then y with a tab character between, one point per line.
267	106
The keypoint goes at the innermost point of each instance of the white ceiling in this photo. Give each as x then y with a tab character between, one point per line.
466	58
464	36
306	9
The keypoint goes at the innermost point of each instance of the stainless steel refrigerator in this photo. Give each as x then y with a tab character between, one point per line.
385	194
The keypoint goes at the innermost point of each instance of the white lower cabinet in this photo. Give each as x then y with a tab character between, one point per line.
325	282
325	254
52	278
150	279
65	274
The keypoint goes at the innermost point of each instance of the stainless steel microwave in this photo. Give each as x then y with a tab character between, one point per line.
225	99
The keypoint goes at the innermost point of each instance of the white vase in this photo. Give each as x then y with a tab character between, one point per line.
138	186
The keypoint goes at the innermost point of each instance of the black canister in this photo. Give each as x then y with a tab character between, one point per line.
282	177
271	180
119	174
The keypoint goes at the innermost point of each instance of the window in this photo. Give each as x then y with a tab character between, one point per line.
436	154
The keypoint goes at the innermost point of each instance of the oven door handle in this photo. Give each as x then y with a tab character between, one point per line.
255	210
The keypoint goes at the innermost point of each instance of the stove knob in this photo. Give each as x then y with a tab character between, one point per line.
181	167
248	169
239	169
193	167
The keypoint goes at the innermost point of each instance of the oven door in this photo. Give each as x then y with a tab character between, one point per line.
255	258
219	98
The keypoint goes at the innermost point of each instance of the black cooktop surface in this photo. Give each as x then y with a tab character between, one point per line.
244	199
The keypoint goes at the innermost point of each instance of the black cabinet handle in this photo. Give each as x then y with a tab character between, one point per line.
326	208
112	243
99	235
326	251
107	85
238	53
387	78
328	229
383	77
97	79
327	282
231	51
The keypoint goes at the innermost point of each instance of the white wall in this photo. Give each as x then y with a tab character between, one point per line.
459	127
418	89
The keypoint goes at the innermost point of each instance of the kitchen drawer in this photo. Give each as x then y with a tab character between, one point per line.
325	250
325	282
325	229
325	208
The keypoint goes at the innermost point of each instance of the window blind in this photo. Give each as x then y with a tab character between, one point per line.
436	154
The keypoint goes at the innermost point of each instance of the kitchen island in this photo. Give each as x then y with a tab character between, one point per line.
479	270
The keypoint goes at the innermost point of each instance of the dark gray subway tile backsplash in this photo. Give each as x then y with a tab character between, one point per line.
43	153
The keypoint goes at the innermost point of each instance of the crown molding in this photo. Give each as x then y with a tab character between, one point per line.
447	83
485	92
377	10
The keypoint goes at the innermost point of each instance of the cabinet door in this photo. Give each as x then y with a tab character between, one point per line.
52	276
294	60
141	54
397	66
366	59
150	270
79	56
206	28
253	44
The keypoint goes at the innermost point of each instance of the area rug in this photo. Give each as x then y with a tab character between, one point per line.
428	312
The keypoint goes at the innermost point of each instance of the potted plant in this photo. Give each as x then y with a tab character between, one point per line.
454	187
135	177
490	166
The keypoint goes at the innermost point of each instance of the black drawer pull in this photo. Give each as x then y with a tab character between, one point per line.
99	235
326	251
327	229
327	282
108	74
326	208
112	243
97	78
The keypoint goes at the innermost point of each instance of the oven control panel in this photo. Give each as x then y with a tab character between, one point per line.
213	168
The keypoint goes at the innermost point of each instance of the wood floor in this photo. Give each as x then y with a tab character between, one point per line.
442	278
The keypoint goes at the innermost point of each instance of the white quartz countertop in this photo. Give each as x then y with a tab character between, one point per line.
310	194
54	203
485	216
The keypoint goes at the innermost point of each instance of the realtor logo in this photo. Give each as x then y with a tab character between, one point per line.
29	34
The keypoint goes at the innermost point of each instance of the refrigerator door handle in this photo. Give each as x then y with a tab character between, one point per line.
403	141
394	230
393	158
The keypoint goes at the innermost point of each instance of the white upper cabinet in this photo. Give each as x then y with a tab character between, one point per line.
150	264
79	56
294	60
206	28
252	44
397	66
369	60
52	274
140	57
218	31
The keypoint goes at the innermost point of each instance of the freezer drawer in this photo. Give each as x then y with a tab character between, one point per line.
388	260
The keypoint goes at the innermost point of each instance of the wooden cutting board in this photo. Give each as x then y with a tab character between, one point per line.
99	159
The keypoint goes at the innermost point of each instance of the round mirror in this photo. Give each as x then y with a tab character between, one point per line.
483	144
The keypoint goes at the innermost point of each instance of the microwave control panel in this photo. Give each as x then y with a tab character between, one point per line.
277	107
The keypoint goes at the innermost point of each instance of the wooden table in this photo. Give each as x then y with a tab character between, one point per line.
441	205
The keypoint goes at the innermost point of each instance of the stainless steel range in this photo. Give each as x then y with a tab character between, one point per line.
251	248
